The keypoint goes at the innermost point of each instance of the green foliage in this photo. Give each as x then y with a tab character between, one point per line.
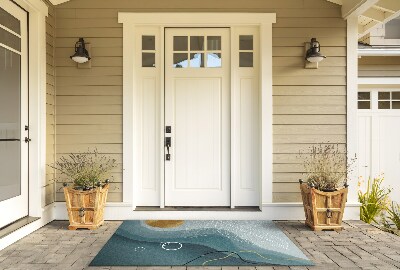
393	214
326	167
85	169
374	200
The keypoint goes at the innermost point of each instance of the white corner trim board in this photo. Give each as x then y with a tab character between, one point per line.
378	80
270	211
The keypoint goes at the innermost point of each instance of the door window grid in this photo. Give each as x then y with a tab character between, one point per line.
197	52
246	50
148	51
364	100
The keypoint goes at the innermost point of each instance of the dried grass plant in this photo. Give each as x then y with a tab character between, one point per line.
85	169
326	167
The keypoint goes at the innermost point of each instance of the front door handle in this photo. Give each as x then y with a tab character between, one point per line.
168	145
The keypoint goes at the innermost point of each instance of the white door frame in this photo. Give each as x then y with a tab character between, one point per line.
37	12
131	119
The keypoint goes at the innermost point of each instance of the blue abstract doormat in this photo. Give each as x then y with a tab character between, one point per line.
199	243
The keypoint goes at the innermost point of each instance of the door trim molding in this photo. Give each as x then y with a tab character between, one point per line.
131	119
37	12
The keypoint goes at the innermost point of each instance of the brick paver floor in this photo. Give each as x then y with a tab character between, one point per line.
358	246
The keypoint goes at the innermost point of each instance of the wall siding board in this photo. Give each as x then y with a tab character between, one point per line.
309	105
49	185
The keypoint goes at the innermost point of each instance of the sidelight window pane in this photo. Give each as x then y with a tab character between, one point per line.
148	43
245	59
384	95
246	42
364	95
148	59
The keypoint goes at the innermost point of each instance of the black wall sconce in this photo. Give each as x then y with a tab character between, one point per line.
81	54
313	54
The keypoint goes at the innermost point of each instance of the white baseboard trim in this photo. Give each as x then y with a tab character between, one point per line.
47	216
270	211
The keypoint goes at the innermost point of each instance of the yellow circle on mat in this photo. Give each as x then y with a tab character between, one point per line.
165	223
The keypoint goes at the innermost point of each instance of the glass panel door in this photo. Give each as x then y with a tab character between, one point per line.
13	113
10	123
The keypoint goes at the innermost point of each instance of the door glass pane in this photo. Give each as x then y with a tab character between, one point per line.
148	43
9	21
196	43
214	60
180	43
245	59
245	42
197	60
180	60
10	133
148	59
10	40
213	43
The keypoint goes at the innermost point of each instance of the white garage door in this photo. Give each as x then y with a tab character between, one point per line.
379	136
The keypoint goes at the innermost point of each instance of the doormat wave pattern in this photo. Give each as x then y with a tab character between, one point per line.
200	243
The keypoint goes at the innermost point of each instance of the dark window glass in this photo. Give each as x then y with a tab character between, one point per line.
384	95
148	59
180	43
9	21
148	43
245	42
364	95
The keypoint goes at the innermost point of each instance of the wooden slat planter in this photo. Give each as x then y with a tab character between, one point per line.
323	210
86	208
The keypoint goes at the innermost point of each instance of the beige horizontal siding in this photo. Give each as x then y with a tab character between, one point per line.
49	186
309	104
379	66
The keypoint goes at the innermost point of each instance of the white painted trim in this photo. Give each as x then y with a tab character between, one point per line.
378	80
379	52
131	145
47	216
270	211
352	89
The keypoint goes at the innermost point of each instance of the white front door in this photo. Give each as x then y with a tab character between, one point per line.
197	110
13	113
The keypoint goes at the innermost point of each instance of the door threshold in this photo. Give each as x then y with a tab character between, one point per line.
9	229
196	209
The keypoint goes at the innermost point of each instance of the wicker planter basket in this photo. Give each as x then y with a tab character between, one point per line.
323	210
86	208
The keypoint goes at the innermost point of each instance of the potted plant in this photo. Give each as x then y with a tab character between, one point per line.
87	196
324	192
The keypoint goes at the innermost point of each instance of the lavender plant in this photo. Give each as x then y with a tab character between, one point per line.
326	167
85	169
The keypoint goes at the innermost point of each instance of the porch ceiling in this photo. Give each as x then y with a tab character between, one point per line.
371	13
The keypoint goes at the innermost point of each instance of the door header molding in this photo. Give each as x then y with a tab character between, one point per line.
204	19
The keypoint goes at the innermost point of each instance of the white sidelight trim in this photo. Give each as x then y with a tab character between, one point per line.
270	211
352	89
132	169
